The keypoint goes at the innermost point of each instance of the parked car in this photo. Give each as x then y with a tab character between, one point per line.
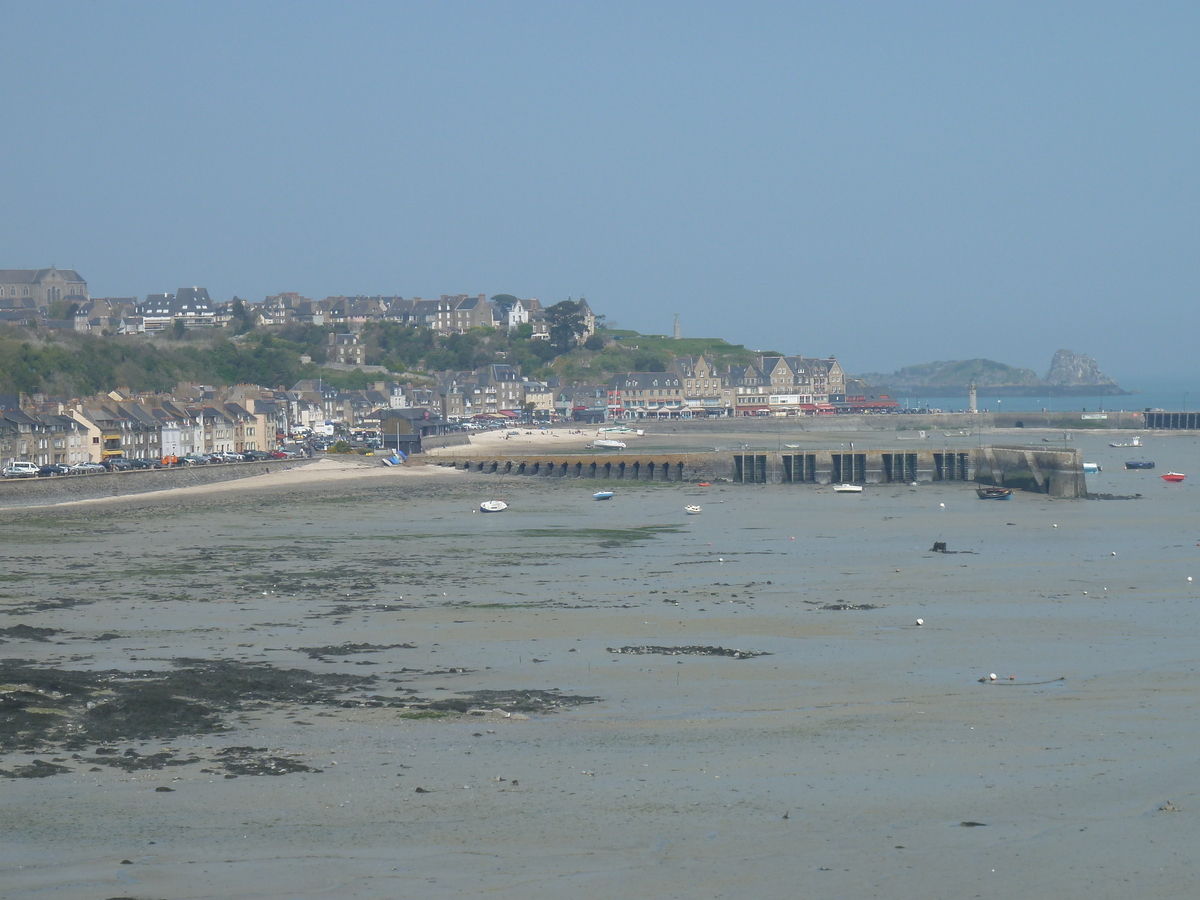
256	455
193	459
20	469
117	464
145	464
54	469
87	468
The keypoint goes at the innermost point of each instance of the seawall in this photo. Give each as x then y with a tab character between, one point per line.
20	492
1057	472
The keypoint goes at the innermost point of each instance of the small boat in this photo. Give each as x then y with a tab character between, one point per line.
602	495
605	444
493	506
1174	476
1091	468
848	488
988	492
792	446
693	510
1135	441
1139	464
703	484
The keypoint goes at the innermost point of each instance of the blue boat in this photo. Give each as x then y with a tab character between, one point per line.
602	495
1139	464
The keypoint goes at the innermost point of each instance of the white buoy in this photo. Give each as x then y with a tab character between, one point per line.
992	676
942	505
1189	578
1114	553
1055	526
920	621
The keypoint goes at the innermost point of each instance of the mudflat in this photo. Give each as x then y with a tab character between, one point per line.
359	686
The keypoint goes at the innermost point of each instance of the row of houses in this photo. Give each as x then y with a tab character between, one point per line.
772	385
193	308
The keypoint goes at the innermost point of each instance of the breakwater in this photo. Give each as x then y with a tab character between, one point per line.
1057	472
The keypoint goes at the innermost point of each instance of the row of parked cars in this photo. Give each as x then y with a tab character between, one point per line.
22	469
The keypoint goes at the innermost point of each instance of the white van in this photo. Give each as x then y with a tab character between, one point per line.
20	469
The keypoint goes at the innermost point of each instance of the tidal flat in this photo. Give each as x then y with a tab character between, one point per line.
375	691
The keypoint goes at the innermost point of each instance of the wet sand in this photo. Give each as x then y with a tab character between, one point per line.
842	764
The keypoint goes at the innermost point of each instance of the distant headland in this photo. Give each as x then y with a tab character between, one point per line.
1070	375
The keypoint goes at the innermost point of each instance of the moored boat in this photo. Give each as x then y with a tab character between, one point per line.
693	510
602	495
989	492
605	444
1091	468
493	506
1139	464
848	488
1135	441
1174	476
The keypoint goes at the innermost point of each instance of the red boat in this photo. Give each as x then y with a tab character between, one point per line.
1173	476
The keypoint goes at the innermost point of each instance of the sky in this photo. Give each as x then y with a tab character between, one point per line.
890	183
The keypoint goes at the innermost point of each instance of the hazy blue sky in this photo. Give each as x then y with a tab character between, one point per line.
889	182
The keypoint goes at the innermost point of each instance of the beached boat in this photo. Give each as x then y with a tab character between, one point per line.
1139	464
1174	476
792	446
988	492
693	510
602	495
848	488
493	506
606	444
1091	468
1135	441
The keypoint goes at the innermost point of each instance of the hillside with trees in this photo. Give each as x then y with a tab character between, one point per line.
68	364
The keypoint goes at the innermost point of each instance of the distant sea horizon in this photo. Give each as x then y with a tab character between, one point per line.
1179	395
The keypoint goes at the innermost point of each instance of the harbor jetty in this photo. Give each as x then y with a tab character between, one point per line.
1055	471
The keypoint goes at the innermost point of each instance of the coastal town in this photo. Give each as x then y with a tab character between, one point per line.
213	422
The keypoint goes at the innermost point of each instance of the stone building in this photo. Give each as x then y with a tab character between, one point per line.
38	288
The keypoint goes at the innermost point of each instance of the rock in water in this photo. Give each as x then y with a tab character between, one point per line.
1069	369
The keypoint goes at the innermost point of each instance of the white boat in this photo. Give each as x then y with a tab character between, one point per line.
605	444
1135	441
602	495
493	506
848	488
693	510
792	446
1091	468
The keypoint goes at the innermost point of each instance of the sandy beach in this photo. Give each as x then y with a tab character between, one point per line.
342	680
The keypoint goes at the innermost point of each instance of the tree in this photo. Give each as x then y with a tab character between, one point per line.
504	302
241	317
595	342
566	325
178	328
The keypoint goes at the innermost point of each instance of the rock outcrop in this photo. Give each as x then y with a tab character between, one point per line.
1069	369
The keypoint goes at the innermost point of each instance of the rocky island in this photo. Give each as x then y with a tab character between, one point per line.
1070	374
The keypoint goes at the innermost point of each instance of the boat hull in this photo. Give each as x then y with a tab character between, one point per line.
1139	464
602	495
1174	477
848	488
994	493
493	506
692	510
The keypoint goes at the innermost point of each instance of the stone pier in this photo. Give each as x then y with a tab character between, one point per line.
1057	472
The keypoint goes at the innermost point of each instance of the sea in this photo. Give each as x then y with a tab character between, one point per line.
1178	396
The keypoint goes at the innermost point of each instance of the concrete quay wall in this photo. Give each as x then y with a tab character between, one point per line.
21	492
1058	472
